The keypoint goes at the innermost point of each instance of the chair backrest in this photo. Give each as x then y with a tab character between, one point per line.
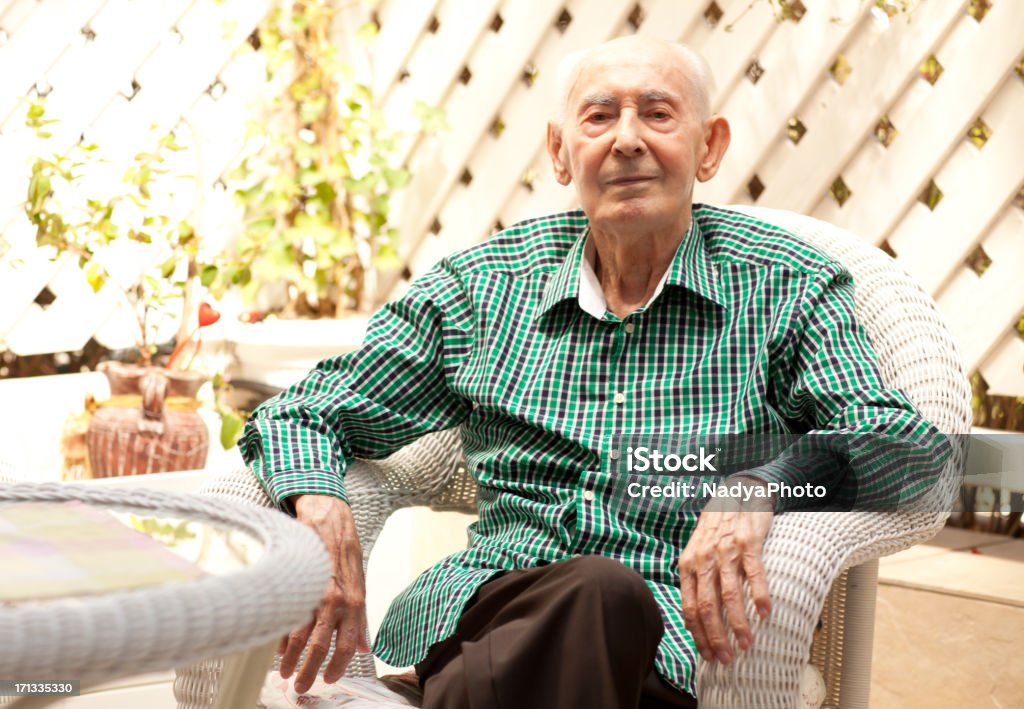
915	348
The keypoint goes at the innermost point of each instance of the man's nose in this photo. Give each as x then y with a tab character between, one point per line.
628	139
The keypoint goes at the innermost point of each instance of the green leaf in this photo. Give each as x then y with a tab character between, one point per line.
242	276
185	232
362	93
387	257
339	250
38	189
208	275
35	113
309	177
95	277
364	185
396	179
433	119
231	425
299	22
167	267
325	193
182	532
260	228
368	32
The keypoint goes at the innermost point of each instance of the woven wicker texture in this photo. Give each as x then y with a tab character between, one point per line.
805	552
157	628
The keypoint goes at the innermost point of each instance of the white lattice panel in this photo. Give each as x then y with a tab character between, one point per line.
491	167
977	185
839	119
973	72
402	24
758	111
126	33
1002	368
31	49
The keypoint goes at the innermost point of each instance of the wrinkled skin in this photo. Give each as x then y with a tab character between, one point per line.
725	550
342	610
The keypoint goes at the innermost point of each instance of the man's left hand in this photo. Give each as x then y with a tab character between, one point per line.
725	550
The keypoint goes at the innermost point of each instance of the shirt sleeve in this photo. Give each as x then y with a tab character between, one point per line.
865	443
371	402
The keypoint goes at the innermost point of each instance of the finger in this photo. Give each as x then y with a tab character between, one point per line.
688	592
731	581
345	647
351	630
294	641
283	645
709	609
753	567
316	650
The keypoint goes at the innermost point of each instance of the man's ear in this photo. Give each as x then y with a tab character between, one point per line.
717	135
556	149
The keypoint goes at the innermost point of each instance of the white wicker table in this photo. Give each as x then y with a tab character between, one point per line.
126	632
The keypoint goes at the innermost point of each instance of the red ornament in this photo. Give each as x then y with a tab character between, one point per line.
207	315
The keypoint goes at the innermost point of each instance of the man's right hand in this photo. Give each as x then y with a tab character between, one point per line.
342	610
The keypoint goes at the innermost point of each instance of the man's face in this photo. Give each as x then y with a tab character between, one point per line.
633	140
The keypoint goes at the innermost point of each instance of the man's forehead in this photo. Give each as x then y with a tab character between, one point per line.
608	82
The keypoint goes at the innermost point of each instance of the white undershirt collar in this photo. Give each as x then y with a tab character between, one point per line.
591	295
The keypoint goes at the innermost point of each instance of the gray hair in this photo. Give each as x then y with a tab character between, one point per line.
569	70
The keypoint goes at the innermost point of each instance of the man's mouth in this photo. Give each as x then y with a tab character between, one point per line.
630	180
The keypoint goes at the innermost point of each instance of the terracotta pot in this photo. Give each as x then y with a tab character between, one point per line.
149	425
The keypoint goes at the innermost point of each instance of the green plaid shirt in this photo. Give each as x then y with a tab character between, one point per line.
754	332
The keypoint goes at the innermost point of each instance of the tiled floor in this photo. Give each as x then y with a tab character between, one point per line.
949	624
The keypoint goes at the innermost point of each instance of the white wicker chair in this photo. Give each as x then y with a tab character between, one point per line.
822	567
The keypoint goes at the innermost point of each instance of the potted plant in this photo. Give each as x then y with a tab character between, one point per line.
127	239
316	193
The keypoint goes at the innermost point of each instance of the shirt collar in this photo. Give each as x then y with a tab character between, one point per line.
690	268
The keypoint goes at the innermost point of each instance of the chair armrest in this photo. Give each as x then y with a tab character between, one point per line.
804	554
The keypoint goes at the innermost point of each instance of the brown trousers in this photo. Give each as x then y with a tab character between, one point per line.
577	633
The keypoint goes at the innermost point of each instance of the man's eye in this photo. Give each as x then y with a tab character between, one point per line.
659	115
599	117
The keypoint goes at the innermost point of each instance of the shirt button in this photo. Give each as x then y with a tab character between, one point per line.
588	495
620	398
629	328
613	454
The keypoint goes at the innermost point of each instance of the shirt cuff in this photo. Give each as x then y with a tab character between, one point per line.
288	460
284	485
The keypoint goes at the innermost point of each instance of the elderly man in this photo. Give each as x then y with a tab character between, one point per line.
552	342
